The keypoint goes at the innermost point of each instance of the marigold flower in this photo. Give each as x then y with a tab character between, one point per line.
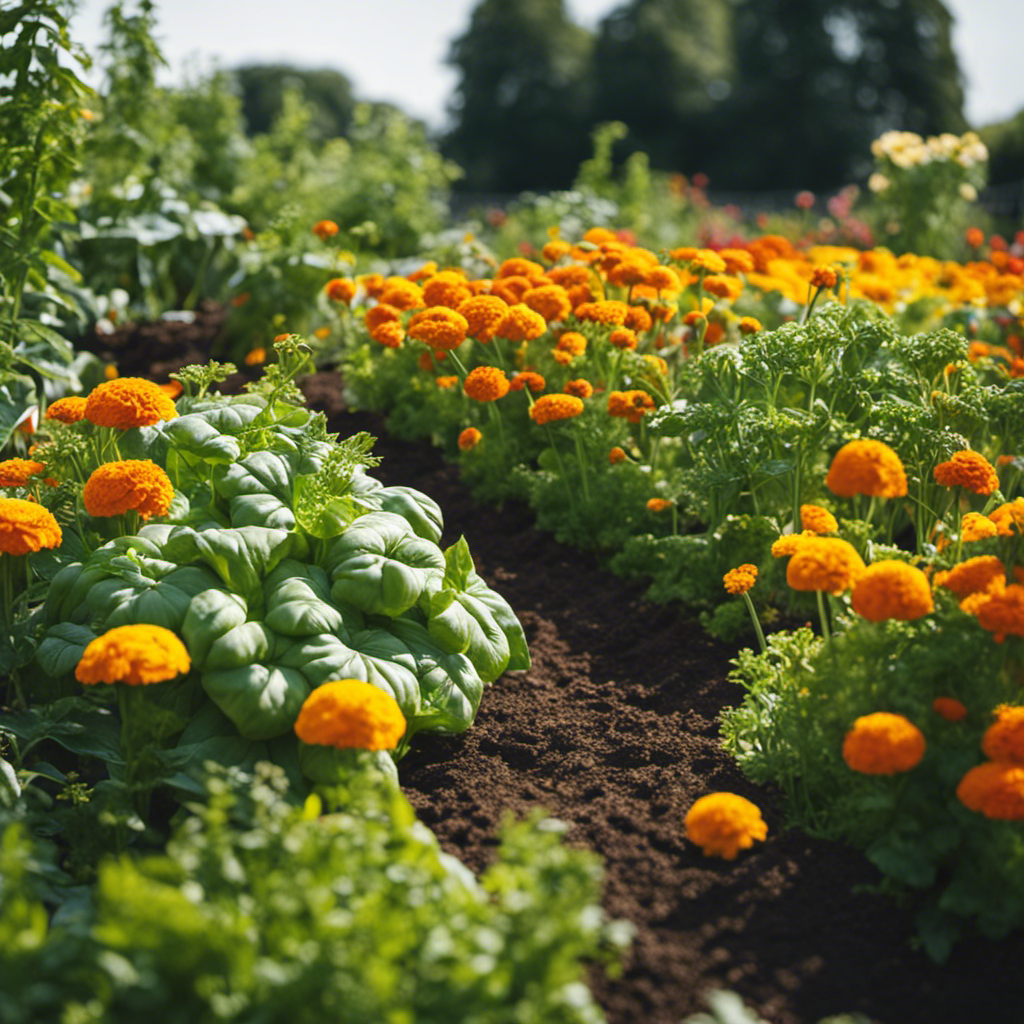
350	714
128	402
616	455
256	357
26	526
447	288
824	277
824	563
402	294
866	467
372	284
66	410
486	384
116	487
622	337
788	543
662	279
517	266
520	323
892	590
382	313
554	250
469	439
658	504
572	342
511	290
883	744
995	789
695	318
483	313
949	708
967	469
1009	518
446	383
549	408
527	379
722	824
749	325
740	579
570	276
173	388
974	526
341	289
580	388
439	327
638	319
817	519
1004	738
707	261
1003	613
427	270
17	472
551	301
324	229
605	311
737	261
390	334
630	405
137	655
975	237
975	575
722	286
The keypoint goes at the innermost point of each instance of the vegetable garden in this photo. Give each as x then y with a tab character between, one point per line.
560	616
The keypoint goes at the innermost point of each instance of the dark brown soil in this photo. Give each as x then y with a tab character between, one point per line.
614	730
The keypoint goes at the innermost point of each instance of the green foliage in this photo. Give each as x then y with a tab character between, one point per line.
263	88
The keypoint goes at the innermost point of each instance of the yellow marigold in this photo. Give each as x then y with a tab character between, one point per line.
439	327
883	744
974	576
625	272
486	384
520	323
1003	613
824	277
483	313
788	543
630	405
469	439
817	519
707	261
824	563
551	301
447	288
128	402
446	383
517	266
324	229
341	289
967	469
974	526
350	714
390	334
1004	738
580	388
722	824
661	279
605	311
26	526
256	357
749	325
512	289
740	579
623	337
892	590
373	284
866	467
737	261
136	655
549	408
949	708
995	789
570	276
616	455
554	250
572	342
1009	518
658	504
723	286
402	294
17	472
527	379
116	487
67	410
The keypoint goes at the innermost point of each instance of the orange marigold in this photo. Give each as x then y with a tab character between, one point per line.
402	294
527	379
662	279
788	543
1003	613
516	266
974	576
520	323
128	402
974	526
350	714
866	467
658	504
439	327
580	388
616	455
995	789
740	579
26	526
116	487
824	277
883	744
824	563
1009	518
469	439
722	824
486	384
737	261
17	472
623	337
483	313
949	708
723	286
373	284
324	229
341	289
749	325
380	314
137	655
817	519
554	250
551	301
572	342
630	405
447	288
707	261
549	408
256	357
638	319
67	410
512	289
605	311
390	334
446	383
1004	738
892	590
967	469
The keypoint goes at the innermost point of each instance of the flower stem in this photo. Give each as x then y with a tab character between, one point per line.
756	621
825	631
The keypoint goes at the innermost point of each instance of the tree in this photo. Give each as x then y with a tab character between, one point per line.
262	88
520	111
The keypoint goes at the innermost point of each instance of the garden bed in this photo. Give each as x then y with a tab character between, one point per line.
613	730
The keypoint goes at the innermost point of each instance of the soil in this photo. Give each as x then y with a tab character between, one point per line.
614	731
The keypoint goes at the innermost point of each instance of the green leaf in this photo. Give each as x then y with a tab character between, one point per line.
329	766
459	623
262	700
298	603
10	788
242	645
458	565
261	510
162	602
76	723
211	614
194	435
62	648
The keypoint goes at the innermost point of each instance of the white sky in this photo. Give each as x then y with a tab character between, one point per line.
395	49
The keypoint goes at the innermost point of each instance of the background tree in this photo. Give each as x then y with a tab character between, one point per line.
521	108
328	92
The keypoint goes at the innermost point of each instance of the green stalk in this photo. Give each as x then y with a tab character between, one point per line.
825	631
756	621
561	468
583	467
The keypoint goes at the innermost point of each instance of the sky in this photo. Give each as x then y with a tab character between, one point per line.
394	50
